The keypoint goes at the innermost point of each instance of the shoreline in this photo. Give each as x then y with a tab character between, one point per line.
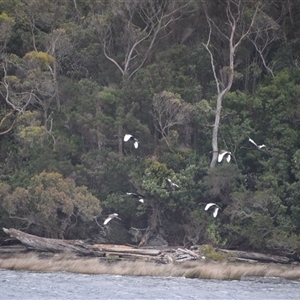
201	269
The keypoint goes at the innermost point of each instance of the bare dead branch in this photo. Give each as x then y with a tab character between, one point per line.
11	126
155	20
239	30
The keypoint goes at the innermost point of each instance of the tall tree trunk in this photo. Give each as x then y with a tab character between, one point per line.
237	32
56	86
216	130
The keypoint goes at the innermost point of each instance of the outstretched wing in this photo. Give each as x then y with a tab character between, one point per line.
135	195
107	220
132	194
140	197
216	211
110	217
127	137
221	155
208	205
171	184
251	141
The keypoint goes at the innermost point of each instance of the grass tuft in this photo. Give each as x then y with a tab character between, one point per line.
191	269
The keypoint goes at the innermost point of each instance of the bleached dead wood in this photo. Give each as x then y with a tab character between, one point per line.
162	255
257	256
189	252
52	245
252	261
133	257
151	252
13	249
184	255
182	258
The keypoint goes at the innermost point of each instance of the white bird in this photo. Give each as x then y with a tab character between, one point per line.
257	146
217	207
171	184
128	137
135	195
110	217
222	154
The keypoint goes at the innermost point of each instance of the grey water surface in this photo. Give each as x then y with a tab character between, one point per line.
63	285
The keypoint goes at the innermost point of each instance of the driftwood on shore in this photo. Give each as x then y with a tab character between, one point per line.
158	255
163	255
52	245
126	249
254	256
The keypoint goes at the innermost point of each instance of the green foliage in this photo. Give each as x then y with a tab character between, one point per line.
154	179
214	235
49	203
70	107
222	181
210	253
41	57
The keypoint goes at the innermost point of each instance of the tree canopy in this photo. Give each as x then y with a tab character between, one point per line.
187	79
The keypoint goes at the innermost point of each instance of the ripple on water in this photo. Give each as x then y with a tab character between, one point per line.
63	285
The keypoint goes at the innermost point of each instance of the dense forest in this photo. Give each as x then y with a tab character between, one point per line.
188	79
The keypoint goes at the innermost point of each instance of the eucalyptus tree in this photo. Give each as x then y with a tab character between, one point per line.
6	29
170	111
243	20
140	25
29	70
28	81
38	18
7	119
128	32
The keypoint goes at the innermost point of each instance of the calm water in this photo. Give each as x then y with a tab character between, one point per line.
62	285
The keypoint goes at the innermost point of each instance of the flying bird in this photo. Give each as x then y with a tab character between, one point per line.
217	207
138	196
128	137
257	146
110	217
224	153
173	186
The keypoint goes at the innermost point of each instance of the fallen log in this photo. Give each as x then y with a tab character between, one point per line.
13	249
189	252
164	255
184	258
134	257
257	256
52	245
120	249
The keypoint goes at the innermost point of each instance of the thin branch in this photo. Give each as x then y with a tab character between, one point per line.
11	126
155	21
112	60
212	59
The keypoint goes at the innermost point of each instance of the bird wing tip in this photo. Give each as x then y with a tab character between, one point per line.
106	221
216	212
127	137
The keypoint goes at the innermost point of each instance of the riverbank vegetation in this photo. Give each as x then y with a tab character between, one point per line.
187	78
205	270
